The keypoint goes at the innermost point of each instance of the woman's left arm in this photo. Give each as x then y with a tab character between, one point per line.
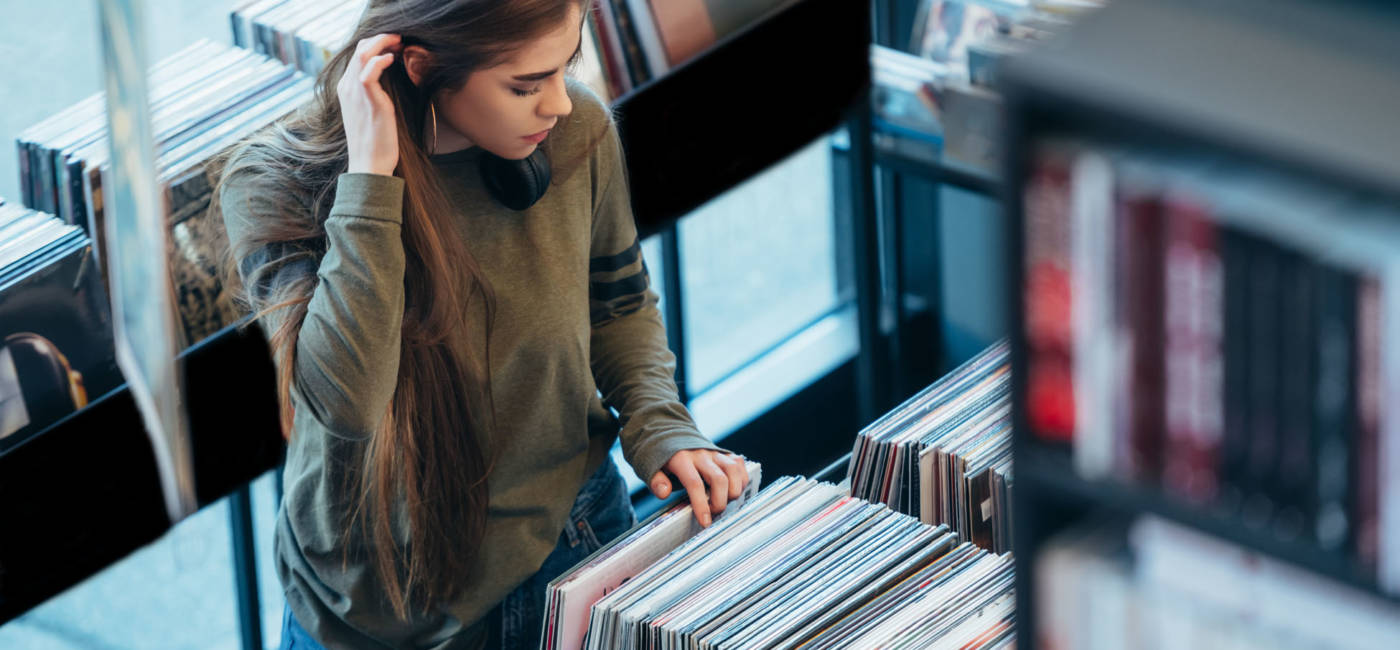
632	365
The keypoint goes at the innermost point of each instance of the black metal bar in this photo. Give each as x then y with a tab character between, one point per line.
936	170
894	214
871	364
940	171
1029	523
842	218
674	304
245	568
935	295
836	471
886	13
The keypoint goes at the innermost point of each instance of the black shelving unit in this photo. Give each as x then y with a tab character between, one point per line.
84	491
1051	478
1302	87
753	99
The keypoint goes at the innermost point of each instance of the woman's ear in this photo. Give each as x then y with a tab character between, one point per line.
416	61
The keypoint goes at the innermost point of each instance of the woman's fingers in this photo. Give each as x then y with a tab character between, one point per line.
683	466
660	485
724	474
367	112
373	46
717	480
369	76
735	469
367	49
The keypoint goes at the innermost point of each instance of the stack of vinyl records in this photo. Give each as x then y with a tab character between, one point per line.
945	454
801	563
301	33
56	349
641	40
203	100
307	33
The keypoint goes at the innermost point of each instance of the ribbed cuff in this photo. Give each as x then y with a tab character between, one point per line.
654	454
373	196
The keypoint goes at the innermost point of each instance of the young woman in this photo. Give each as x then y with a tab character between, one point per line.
446	362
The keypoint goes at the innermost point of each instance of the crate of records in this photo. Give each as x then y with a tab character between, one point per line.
204	99
944	455
799	564
56	349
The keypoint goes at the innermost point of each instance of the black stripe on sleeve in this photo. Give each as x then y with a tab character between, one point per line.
631	285
610	263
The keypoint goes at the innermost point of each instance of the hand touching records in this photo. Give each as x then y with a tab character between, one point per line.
725	475
370	132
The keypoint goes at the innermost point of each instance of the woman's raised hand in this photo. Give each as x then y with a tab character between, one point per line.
370	132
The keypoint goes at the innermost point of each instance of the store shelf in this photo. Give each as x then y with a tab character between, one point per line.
83	493
940	170
927	165
1052	479
752	100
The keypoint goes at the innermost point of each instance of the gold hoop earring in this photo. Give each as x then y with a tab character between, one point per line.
433	110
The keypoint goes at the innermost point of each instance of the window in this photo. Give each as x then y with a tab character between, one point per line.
178	589
758	265
651	255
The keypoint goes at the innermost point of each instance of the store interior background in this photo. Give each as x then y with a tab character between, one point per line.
769	308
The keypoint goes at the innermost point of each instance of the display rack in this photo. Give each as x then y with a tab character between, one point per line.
753	99
1276	84
84	490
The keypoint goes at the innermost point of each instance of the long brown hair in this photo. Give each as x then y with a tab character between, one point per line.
428	451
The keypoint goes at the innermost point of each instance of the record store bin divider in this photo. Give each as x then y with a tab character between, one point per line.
96	466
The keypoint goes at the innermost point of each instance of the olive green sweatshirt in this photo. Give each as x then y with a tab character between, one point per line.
575	316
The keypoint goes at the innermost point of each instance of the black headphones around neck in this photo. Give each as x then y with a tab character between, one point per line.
517	184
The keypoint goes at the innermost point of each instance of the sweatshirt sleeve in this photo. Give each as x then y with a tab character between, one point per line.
347	354
631	362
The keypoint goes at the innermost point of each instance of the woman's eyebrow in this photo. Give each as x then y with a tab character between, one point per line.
540	76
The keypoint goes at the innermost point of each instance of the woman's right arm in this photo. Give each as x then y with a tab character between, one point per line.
347	354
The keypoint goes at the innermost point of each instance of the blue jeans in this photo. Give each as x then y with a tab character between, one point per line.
601	512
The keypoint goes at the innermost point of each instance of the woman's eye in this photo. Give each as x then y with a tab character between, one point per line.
525	92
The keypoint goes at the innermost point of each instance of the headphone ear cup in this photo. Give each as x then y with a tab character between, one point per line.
517	184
